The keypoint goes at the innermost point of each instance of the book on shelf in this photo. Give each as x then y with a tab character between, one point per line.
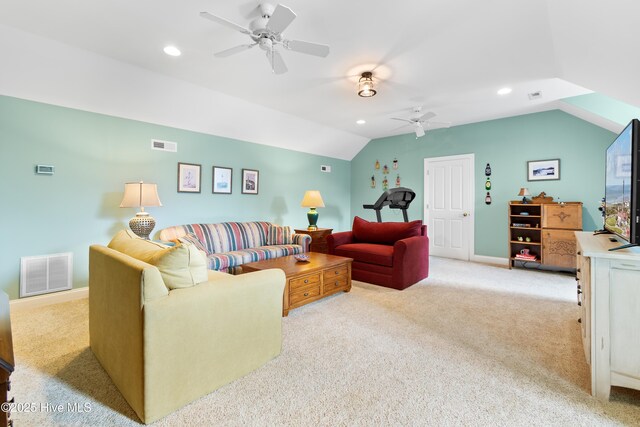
526	257
517	224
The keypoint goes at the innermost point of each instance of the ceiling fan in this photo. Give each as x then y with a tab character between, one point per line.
419	121
266	31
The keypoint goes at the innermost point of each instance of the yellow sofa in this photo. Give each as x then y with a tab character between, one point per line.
164	348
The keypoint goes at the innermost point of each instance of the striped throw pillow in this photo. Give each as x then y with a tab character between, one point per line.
277	235
193	239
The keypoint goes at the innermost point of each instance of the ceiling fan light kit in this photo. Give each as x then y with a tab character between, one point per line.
366	87
266	32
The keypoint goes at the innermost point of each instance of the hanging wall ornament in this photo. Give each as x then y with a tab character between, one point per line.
385	184
487	170
377	165
373	181
487	185
385	169
398	181
395	164
487	199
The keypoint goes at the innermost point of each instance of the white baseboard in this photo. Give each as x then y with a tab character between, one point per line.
42	300
490	260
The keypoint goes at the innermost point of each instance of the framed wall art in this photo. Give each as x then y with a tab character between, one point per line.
222	180
250	181
188	178
543	170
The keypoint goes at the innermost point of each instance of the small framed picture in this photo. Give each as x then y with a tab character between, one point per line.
543	170
188	178
222	180
250	181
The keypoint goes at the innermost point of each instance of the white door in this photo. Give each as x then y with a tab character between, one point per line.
449	196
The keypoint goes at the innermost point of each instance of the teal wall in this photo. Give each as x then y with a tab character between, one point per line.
94	155
507	144
602	105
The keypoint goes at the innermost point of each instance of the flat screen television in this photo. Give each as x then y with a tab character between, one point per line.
622	186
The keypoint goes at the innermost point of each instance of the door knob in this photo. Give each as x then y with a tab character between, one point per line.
465	214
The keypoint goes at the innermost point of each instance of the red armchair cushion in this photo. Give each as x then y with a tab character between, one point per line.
386	233
367	252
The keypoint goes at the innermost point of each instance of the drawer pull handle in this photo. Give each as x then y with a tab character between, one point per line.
337	272
306	294
337	283
306	280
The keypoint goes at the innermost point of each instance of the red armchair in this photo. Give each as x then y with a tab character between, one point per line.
391	254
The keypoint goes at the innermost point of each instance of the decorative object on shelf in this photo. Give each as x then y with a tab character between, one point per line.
524	192
524	213
366	87
398	180
487	199
487	184
541	198
487	170
139	195
385	169
543	170
302	257
312	200
385	184
377	165
189	178
222	180
373	181
250	181
395	164
527	239
519	238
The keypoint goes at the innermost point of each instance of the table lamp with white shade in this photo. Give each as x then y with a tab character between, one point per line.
524	192
312	200
139	195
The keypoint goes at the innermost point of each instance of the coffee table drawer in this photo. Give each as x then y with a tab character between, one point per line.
335	284
303	281
304	294
334	273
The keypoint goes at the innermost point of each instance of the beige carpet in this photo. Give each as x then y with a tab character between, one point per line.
471	345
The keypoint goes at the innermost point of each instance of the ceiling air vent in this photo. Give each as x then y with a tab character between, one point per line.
157	144
44	274
535	95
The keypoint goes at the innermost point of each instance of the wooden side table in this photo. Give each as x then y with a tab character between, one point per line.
318	238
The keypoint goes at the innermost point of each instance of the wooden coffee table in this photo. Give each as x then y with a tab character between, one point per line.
321	276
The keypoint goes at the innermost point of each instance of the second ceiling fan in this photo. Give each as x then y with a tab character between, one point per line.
266	31
419	121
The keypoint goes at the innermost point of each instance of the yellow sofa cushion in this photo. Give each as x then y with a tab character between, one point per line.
181	266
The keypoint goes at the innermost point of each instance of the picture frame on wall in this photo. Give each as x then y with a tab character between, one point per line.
189	178
543	170
250	181
222	180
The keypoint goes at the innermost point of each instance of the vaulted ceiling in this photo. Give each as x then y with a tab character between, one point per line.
448	57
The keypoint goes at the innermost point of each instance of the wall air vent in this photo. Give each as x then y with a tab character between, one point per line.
535	95
157	144
45	274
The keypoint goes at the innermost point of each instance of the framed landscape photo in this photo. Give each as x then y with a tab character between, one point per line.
188	178
543	170
250	179
222	180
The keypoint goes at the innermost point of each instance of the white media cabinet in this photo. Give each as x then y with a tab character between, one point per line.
609	295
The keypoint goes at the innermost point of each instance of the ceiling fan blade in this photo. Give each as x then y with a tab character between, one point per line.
402	120
419	130
277	63
307	47
426	116
225	22
280	19
233	50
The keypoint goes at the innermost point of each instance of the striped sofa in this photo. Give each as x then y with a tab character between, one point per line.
228	245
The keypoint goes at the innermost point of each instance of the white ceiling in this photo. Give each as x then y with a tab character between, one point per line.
449	57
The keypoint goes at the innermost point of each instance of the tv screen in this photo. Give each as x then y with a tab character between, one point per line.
620	190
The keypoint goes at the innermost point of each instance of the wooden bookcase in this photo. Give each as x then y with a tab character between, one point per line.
550	229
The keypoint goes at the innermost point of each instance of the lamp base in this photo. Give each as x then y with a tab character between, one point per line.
312	216
142	224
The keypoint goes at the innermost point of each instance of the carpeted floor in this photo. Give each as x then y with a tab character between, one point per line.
472	345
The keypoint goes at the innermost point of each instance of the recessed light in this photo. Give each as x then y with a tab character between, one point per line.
505	91
172	51
361	122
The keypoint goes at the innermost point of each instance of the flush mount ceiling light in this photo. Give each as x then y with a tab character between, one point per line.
366	87
505	91
172	51
361	122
